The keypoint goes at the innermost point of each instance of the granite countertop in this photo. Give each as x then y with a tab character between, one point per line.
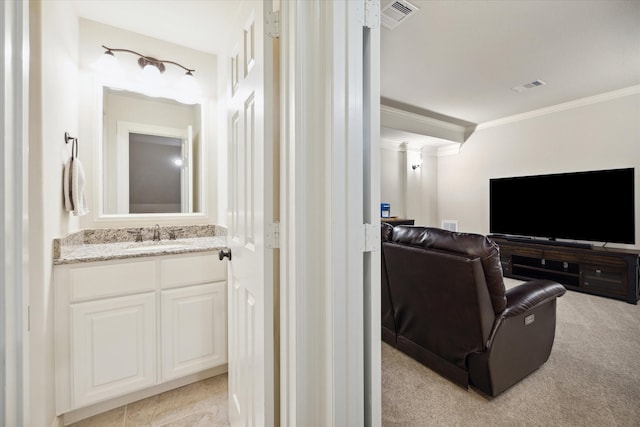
109	244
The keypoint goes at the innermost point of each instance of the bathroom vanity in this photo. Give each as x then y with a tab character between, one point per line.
133	317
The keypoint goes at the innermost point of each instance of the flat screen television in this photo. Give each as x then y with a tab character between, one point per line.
593	206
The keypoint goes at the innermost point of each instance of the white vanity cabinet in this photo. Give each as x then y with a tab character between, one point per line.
127	325
194	321
113	349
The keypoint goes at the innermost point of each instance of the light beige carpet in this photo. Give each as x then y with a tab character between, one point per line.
592	377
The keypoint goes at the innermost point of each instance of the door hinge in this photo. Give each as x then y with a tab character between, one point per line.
272	236
371	13
371	237
272	24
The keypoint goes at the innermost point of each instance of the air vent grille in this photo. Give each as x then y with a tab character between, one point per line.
450	224
401	8
530	85
397	12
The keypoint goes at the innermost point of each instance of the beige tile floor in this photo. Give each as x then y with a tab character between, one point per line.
201	404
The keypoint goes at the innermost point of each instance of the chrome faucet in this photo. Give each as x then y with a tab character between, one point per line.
156	233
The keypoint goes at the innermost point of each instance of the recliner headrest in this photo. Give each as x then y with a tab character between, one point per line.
463	243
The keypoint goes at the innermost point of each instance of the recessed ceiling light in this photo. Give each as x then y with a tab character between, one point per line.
530	85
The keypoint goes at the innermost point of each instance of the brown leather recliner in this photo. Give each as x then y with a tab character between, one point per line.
444	304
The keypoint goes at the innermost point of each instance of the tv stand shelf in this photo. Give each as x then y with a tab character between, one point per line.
607	272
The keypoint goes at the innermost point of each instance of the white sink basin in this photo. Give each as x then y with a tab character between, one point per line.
155	247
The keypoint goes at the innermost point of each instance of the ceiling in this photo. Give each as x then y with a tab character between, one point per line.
461	58
453	59
203	25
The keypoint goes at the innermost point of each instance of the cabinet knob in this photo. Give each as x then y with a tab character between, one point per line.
222	253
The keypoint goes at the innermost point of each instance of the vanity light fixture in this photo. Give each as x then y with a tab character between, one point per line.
145	61
108	64
152	69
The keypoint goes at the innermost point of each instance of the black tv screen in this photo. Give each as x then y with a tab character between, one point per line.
594	206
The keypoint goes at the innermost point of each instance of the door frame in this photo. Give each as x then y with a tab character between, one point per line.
330	276
14	276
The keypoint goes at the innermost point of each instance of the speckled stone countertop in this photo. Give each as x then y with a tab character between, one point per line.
119	243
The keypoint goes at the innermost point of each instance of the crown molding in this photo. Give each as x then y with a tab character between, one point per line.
424	149
391	145
607	96
415	123
449	150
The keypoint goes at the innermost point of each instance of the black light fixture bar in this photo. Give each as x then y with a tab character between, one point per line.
144	60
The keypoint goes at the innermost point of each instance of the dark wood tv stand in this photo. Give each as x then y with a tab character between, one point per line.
398	221
607	272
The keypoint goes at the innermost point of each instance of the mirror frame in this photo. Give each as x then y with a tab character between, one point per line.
99	216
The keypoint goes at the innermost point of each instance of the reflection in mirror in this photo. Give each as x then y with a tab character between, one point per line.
152	151
155	169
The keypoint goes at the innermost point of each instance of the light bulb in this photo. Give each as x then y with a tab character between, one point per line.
108	65
188	89
151	75
188	84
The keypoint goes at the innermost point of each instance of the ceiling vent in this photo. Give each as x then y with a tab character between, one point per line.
531	85
396	12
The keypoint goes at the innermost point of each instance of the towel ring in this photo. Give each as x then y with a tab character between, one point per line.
74	145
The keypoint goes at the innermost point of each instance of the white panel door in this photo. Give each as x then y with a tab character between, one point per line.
250	273
113	347
194	329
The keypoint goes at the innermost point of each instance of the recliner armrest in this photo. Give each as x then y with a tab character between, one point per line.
524	297
521	339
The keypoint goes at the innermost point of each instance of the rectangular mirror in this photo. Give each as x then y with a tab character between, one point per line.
151	155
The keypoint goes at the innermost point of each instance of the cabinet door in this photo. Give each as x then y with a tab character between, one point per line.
194	329
609	278
113	347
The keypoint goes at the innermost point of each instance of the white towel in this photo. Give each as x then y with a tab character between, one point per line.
73	187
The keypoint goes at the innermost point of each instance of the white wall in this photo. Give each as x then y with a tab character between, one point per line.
603	135
54	111
411	192
414	205
92	35
393	163
426	208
